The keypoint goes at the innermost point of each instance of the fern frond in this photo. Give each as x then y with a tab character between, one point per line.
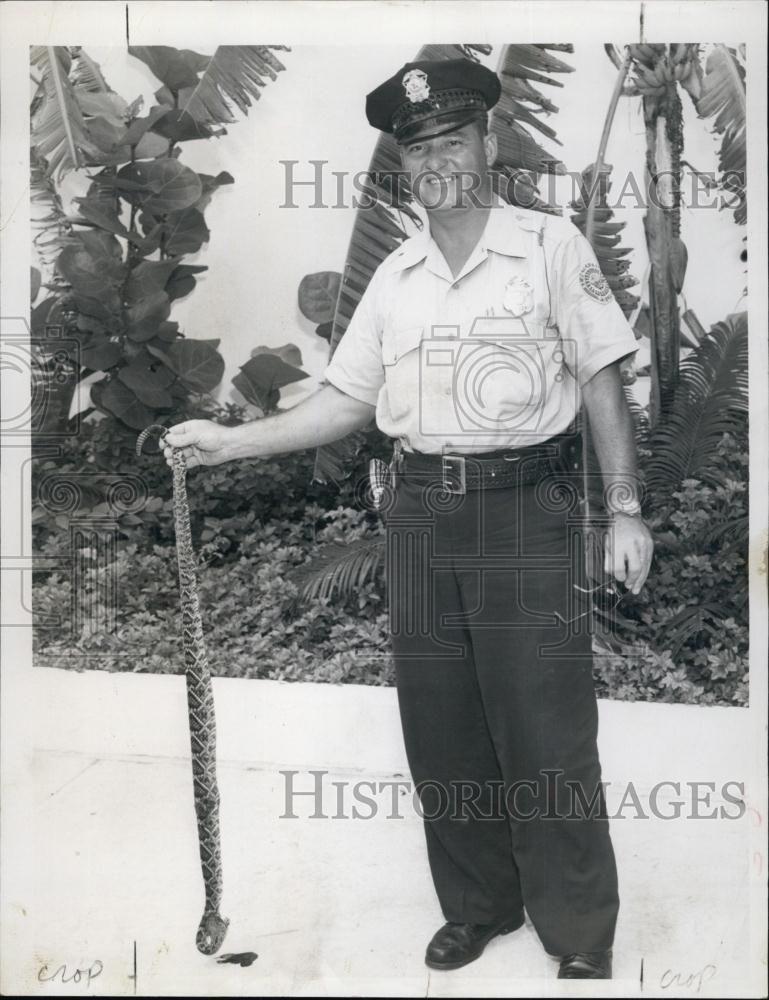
640	417
710	400
340	570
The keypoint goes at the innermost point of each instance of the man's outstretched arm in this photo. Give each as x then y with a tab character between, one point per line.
629	544
326	416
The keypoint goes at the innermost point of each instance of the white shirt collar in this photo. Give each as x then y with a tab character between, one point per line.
505	233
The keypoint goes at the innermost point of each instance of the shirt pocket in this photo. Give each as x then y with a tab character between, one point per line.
510	373
399	342
401	360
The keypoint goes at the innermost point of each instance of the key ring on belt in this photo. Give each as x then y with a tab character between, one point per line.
396	463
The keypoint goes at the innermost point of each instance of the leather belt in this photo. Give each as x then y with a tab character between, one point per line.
496	470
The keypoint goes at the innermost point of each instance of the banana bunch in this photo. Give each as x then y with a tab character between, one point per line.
681	55
646	55
658	67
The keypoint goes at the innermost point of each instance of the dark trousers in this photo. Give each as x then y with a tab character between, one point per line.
498	707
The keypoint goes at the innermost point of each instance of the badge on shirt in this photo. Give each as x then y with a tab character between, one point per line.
592	280
519	297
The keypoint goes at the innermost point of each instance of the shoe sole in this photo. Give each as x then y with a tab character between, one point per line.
449	966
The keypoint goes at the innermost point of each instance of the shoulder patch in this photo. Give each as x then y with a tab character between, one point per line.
594	283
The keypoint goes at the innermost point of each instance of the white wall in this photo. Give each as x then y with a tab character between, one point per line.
259	252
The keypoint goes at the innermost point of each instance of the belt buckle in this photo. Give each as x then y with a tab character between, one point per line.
454	474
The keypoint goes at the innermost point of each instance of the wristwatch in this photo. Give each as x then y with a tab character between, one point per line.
631	508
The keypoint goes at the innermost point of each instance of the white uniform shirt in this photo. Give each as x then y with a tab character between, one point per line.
494	358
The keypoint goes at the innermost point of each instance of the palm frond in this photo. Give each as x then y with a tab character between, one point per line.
729	534
640	417
711	399
339	570
519	187
612	259
59	132
693	620
521	104
723	97
234	75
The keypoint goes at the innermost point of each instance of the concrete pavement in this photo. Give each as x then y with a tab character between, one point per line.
100	849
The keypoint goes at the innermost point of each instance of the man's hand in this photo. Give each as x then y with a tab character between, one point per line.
202	442
628	549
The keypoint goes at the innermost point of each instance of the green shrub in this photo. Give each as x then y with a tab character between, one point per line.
685	636
251	623
683	639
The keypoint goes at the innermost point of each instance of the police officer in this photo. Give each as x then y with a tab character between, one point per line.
475	345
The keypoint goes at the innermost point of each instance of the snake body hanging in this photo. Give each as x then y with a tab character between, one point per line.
200	706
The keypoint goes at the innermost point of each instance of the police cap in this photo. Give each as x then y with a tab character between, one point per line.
427	98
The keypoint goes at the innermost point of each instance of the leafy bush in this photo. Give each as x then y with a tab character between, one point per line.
120	260
258	523
225	501
685	636
246	603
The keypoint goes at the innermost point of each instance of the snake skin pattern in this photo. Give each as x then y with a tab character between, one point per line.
200	707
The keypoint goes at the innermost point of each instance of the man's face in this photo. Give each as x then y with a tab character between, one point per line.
451	170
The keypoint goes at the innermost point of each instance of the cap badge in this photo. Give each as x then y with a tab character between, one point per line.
519	296
416	86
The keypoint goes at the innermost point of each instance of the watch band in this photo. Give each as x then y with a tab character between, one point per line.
632	508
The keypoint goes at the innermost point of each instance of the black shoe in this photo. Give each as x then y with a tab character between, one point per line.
455	945
586	965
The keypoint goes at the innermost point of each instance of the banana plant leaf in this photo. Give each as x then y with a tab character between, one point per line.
234	75
723	97
59	132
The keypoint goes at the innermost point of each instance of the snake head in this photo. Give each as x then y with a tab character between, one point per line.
211	932
160	429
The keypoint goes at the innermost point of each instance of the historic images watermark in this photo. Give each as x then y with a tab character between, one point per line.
547	797
313	184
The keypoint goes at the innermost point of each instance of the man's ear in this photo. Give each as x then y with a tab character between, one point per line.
490	145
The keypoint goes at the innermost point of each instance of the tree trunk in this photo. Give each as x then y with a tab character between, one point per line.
662	222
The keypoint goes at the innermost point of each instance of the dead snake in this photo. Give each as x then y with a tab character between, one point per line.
200	707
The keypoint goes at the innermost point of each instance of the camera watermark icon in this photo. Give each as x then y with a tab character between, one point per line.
38	375
501	379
